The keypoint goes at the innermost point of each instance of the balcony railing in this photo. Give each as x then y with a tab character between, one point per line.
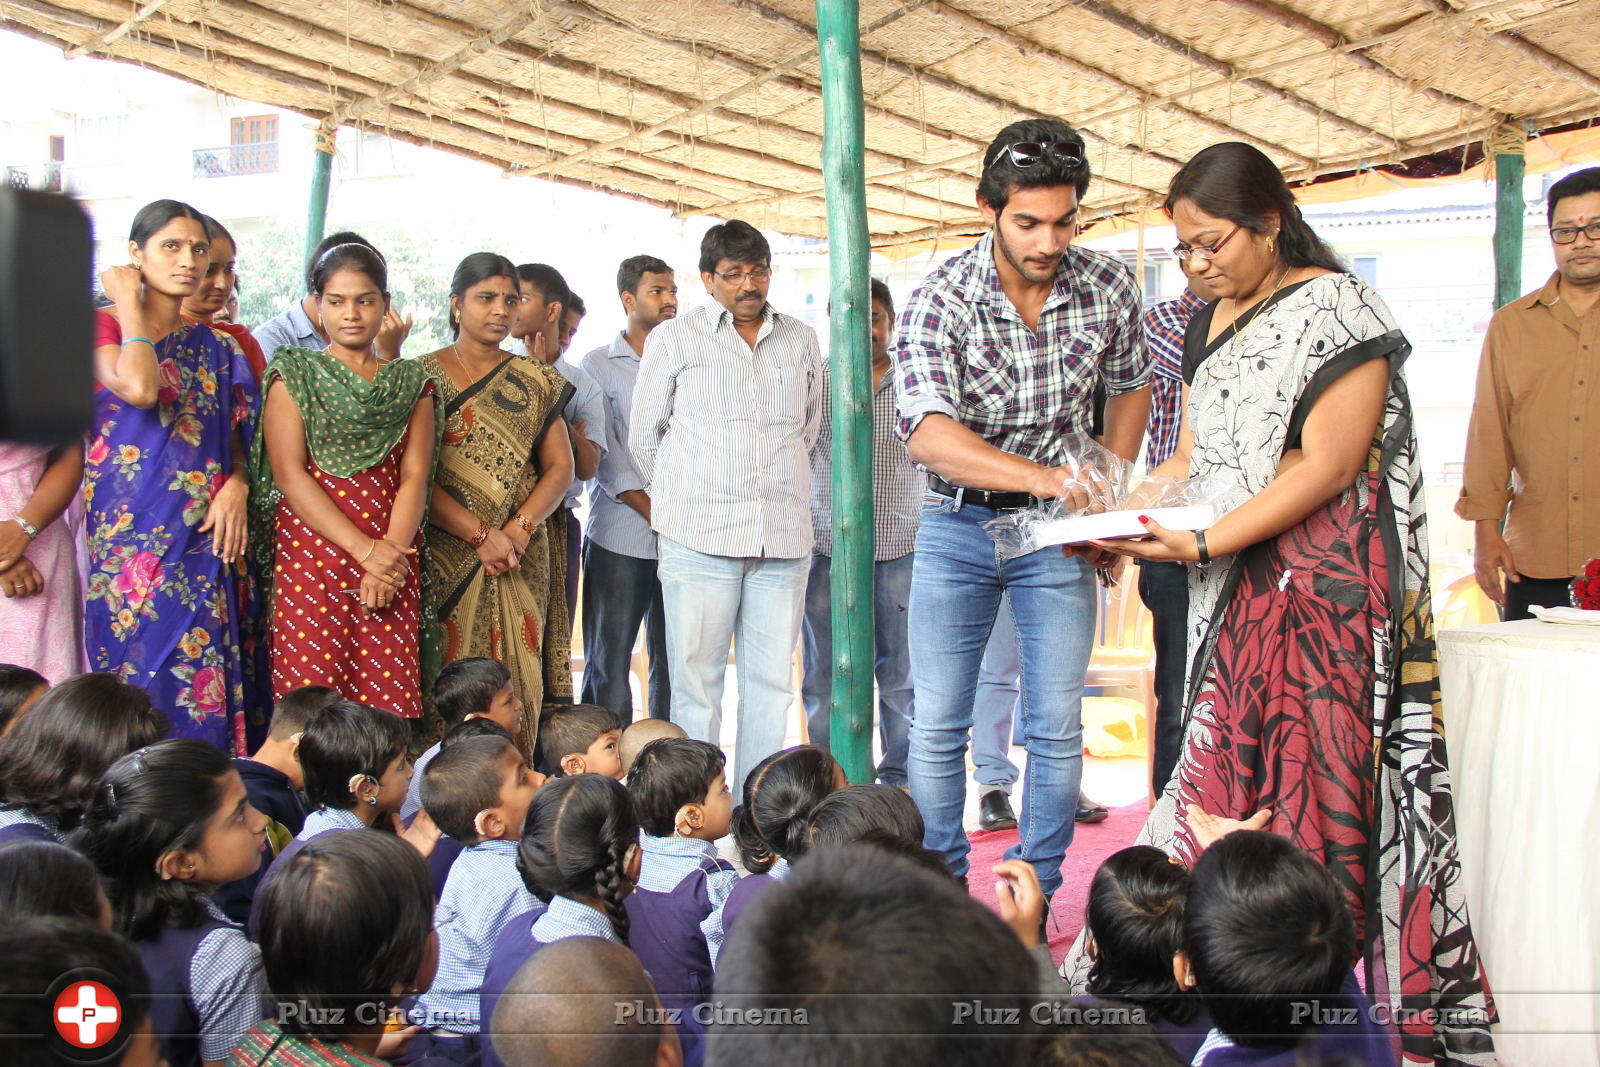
43	177
233	160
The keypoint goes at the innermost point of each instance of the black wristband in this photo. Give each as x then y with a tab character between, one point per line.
1200	543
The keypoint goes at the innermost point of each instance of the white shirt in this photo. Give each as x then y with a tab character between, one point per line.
613	525
723	432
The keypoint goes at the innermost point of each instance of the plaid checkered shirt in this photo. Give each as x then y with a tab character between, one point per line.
962	350
1164	326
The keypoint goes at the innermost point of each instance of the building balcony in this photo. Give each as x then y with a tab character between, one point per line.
41	177
235	160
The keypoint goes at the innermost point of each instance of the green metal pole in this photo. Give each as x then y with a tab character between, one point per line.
1508	210
850	360
321	177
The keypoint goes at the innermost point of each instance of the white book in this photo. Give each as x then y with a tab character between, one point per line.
1109	524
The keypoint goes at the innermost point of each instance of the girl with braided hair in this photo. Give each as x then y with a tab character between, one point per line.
580	856
771	825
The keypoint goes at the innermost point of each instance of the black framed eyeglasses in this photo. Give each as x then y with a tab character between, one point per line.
1202	253
1025	154
737	277
1565	235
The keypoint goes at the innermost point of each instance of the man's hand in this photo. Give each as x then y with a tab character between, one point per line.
1491	558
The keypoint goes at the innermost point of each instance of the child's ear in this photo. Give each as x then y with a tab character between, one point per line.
176	866
1090	947
364	788
632	860
1182	973
489	824
689	819
574	764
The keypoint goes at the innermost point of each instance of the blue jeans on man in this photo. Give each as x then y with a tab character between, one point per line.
619	593
956	593
891	597
995	724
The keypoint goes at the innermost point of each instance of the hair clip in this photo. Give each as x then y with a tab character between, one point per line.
138	759
111	797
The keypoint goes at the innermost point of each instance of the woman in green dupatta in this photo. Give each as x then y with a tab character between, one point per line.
504	466
342	469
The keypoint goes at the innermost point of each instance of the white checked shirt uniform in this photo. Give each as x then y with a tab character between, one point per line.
722	433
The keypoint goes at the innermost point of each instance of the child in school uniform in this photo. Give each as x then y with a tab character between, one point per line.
680	792
467	689
273	780
478	791
771	824
579	739
167	826
580	856
448	848
52	759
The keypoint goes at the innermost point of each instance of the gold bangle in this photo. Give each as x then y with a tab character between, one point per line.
370	550
526	523
480	535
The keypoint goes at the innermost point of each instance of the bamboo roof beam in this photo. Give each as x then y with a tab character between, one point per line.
116	33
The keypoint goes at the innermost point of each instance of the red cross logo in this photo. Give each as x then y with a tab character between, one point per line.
87	1014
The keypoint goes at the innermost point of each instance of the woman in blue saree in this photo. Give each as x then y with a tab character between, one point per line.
171	605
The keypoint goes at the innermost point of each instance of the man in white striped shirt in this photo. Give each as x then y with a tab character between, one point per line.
727	405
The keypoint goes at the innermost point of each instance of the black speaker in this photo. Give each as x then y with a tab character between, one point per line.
46	318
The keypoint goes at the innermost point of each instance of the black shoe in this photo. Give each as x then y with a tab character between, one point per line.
994	811
1089	811
1044	920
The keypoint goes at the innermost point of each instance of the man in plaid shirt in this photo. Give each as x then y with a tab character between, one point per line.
998	358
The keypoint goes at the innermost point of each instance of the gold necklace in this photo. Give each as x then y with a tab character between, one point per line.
471	378
1256	310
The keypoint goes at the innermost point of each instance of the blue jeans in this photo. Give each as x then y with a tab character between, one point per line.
995	723
712	601
620	592
956	589
891	596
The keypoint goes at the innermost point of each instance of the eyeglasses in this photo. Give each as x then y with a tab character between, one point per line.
737	277
1025	154
1202	253
1565	235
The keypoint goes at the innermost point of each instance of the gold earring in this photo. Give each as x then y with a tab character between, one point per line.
1271	245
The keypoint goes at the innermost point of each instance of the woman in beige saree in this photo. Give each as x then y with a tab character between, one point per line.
504	465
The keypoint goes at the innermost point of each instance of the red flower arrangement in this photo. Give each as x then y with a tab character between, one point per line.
1586	587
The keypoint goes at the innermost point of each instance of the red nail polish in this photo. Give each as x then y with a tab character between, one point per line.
1144	519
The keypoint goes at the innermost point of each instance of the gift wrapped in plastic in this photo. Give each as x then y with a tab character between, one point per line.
1098	506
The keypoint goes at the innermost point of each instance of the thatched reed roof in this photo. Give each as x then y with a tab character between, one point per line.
714	106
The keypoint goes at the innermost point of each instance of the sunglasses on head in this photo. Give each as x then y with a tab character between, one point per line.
1025	154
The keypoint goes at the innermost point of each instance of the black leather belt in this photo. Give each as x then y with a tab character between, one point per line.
988	498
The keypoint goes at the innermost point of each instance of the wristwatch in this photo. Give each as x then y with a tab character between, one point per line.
27	527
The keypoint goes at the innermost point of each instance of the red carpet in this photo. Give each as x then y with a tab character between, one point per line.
1090	846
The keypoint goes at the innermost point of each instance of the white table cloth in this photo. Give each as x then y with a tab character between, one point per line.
1522	723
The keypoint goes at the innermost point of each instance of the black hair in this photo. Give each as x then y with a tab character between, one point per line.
1265	928
1135	915
35	954
463	780
215	229
633	270
479	727
52	759
346	739
576	840
152	801
39	878
915	941
1104	1033
569	729
735	241
1237	182
549	281
778	795
1001	177
476	268
299	706
333	240
17	684
669	773
1578	183
881	295
575	304
346	918
352	256
467	687
155	215
853	813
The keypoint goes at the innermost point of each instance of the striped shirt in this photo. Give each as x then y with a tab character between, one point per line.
613	525
669	860
227	986
962	350
723	432
482	894
1164	326
897	484
588	405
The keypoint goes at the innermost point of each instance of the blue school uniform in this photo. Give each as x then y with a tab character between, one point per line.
1350	1034
525	935
272	794
674	927
207	988
413	801
744	894
20	824
322	821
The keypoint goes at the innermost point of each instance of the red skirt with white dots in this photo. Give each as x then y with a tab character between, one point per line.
320	633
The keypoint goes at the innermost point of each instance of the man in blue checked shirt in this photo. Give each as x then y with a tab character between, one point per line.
998	358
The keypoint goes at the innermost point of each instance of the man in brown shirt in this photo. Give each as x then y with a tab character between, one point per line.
1534	441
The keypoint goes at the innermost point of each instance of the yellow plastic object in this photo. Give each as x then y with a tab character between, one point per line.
1114	727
